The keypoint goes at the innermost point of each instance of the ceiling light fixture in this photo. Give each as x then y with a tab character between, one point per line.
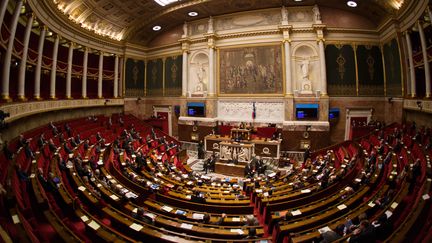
157	28
165	2
352	4
298	0
193	14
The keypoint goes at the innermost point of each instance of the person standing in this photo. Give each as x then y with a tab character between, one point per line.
201	150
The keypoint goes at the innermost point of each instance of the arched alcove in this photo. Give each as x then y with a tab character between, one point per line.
198	74
306	68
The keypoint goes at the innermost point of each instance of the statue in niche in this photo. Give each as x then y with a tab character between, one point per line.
316	13
210	25
284	14
201	76
306	84
185	28
305	69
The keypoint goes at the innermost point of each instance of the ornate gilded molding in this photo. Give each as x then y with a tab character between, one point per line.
59	23
20	110
247	34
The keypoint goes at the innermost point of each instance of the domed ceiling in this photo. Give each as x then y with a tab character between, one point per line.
133	20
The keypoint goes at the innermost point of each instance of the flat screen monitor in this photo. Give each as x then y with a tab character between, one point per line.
334	113
307	111
196	109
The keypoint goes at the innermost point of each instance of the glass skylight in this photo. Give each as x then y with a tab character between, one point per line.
165	2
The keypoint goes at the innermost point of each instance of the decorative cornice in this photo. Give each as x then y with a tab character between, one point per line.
303	30
356	31
247	34
285	27
20	110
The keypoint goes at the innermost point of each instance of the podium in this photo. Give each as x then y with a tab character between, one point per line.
242	133
240	151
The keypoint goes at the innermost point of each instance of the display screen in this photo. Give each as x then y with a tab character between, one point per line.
196	109
307	111
334	113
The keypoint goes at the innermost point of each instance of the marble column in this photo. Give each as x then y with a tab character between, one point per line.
185	73
8	54
3	7
39	63
411	65
425	59
116	72
288	78
100	76
211	83
69	71
53	76
23	63
84	74
120	87
323	67
163	75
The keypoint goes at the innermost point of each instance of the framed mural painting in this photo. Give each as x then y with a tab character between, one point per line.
250	70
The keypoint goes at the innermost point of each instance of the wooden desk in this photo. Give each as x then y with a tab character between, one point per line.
229	169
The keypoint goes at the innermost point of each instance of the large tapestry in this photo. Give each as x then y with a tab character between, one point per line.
173	76
251	70
340	65
393	69
370	70
154	77
134	78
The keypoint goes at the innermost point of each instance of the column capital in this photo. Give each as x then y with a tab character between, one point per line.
320	39
30	14
420	23
288	40
57	36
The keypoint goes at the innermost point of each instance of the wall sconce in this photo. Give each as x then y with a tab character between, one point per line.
420	105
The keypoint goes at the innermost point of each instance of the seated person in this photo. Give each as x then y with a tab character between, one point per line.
252	234
221	219
365	233
383	227
206	219
331	236
251	221
198	197
140	215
